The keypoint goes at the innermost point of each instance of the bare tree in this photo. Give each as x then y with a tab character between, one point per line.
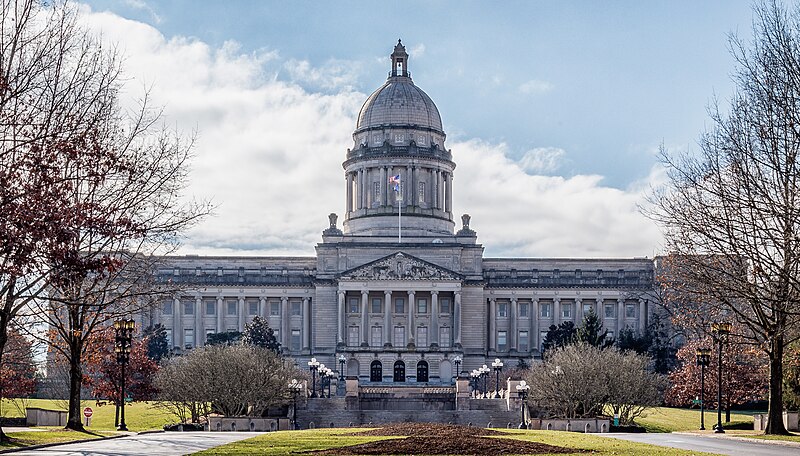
731	212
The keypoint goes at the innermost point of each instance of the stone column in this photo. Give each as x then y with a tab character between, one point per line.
513	330
285	323
348	178
387	317
340	319
220	314
578	311
620	315
306	324
408	185
600	311
262	307
534	325
177	324
383	187
242	313
492	324
449	189
411	304
642	315
457	319
364	318
556	311
361	192
434	334
437	189
199	327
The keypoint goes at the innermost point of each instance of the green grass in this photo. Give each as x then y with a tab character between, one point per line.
284	442
139	416
795	437
667	419
50	435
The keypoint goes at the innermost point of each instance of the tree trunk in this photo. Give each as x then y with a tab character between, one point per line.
3	340
775	412
74	417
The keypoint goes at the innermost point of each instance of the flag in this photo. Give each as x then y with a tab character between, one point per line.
396	181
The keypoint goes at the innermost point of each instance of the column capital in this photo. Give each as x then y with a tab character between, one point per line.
513	299
411	293
434	292
341	293
305	299
364	293
557	300
599	300
492	300
387	293
284	299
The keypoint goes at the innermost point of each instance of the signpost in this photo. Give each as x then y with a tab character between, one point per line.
87	412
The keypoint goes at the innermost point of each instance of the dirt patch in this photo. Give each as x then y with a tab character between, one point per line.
437	439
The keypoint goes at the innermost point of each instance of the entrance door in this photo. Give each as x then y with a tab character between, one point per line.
399	371
376	371
422	371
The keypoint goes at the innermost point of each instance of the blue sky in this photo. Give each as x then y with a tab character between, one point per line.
571	99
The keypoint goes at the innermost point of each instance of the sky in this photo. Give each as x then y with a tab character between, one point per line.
554	111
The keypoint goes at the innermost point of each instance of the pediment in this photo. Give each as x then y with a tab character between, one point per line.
400	266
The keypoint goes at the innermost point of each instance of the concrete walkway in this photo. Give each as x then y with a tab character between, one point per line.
734	446
155	444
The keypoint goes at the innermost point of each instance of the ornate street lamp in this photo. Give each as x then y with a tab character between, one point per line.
122	347
323	372
497	365
313	365
295	387
474	383
721	330
522	390
485	374
457	362
703	360
331	376
342	361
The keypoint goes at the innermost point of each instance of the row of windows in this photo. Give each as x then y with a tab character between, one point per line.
189	342
399	339
231	307
376	306
545	310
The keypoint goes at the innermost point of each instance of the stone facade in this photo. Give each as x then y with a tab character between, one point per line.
397	290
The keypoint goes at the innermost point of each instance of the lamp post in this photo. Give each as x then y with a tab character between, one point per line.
485	374
323	373
124	332
313	365
474	375
295	387
497	365
522	390
342	361
331	376
703	360
457	362
721	329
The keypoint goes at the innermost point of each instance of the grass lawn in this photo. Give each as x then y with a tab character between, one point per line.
284	442
795	437
49	435
667	419
139	416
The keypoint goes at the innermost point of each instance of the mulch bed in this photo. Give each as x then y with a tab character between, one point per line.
443	439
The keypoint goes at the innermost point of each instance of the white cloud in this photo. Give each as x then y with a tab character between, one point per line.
416	51
142	5
269	153
333	75
535	86
542	160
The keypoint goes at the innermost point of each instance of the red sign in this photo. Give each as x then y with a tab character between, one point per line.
87	412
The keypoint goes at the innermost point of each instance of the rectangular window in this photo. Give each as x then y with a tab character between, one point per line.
399	306
609	310
166	309
587	308
566	310
188	307
353	306
376	336
376	305
252	308
296	340
542	337
399	336
630	311
231	307
422	336
421	191
523	309
188	338
275	309
296	308
277	333
211	308
502	341
352	336
422	305
523	341
169	338
545	310
444	306
502	309
376	191
444	336
208	332
610	335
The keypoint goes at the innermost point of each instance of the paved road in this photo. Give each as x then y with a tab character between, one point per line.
158	444
711	444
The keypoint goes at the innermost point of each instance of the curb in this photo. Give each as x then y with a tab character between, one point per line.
786	443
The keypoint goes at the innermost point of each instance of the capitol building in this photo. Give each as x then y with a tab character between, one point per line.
399	284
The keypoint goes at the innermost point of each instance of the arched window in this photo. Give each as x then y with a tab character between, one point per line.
376	371
399	371
422	371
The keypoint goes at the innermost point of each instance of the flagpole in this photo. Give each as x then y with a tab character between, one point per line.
400	214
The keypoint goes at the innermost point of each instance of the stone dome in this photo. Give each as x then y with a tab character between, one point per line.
399	103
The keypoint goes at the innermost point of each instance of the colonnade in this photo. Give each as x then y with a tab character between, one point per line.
359	188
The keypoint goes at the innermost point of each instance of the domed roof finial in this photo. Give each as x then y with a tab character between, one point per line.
399	60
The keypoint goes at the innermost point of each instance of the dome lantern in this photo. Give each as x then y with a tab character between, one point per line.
400	60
